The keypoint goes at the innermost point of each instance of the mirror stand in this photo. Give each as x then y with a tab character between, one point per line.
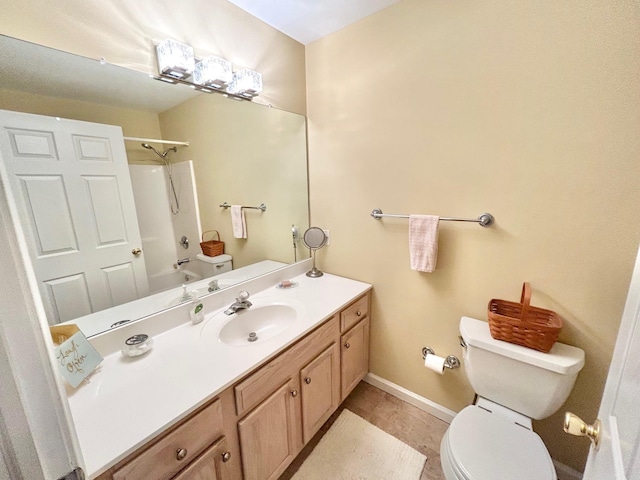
314	238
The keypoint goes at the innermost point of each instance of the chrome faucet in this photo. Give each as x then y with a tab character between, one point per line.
241	303
183	260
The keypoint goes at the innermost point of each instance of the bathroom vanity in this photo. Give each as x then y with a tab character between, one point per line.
220	411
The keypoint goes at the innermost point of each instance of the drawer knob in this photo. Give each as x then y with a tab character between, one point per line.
307	380
347	345
181	453
359	313
294	393
226	456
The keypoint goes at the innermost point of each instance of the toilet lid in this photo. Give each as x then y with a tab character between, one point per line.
485	446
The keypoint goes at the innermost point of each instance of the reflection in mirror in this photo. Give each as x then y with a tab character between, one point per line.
215	150
314	238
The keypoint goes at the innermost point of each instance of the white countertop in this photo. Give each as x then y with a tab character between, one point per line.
129	401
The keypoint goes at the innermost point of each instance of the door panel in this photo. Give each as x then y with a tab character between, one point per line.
268	436
618	457
49	214
320	387
73	191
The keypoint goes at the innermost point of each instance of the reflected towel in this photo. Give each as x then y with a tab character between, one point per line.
238	222
423	242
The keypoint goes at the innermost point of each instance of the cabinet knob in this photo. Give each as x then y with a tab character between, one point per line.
294	393
307	380
359	313
226	456
181	453
347	345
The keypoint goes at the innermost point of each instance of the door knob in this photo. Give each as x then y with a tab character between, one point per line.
574	425
136	251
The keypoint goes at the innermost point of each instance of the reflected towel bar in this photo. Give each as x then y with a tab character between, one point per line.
262	206
484	220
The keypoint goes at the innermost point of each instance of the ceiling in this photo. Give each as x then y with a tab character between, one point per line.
310	20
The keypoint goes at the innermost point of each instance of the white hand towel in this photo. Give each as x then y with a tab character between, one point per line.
423	242
238	222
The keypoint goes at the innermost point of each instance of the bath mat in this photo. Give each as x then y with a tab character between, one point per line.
353	449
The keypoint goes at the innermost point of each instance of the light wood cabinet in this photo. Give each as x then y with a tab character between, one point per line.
175	450
269	435
254	429
354	363
211	465
320	390
354	350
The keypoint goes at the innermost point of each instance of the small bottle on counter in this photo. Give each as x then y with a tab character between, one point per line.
196	311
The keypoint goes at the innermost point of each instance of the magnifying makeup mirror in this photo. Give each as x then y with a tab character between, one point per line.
314	238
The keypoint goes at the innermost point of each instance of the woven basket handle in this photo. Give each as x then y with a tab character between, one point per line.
525	299
209	231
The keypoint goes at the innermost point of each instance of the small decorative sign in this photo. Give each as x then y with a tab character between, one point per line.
75	356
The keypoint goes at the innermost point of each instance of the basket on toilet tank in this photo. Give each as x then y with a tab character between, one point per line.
523	324
212	248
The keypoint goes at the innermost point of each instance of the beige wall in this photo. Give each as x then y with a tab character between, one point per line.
528	110
246	154
124	33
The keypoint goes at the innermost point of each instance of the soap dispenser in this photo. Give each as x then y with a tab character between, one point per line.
196	312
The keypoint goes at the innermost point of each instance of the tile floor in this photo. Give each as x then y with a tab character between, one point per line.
396	417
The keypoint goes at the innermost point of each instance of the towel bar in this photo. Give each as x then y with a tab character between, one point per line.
484	220
262	206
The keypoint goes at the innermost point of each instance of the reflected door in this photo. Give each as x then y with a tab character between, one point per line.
71	186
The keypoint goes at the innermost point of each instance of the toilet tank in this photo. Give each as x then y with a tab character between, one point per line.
530	382
211	266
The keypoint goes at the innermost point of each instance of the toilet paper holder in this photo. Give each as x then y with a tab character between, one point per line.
450	362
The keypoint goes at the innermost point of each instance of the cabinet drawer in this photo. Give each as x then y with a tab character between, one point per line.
354	313
261	383
175	450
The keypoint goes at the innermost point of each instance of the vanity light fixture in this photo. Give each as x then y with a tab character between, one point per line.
177	64
175	59
246	83
213	72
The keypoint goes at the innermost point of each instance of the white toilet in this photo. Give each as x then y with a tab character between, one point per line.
211	266
493	439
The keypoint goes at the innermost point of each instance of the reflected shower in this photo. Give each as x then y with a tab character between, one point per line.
173	197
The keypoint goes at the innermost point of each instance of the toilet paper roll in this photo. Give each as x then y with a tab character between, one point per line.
434	363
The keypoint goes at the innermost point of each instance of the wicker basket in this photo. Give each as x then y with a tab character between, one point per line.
212	248
522	324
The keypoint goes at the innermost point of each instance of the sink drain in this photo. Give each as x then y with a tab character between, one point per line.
252	337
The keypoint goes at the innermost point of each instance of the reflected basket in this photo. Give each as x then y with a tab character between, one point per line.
523	324
212	248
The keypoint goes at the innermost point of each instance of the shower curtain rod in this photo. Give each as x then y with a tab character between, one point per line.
154	140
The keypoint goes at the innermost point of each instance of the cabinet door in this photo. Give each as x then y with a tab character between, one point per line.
270	434
355	356
320	387
208	466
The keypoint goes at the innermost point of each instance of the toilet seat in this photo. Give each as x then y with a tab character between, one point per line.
480	445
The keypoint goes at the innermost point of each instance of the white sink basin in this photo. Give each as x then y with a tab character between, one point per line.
257	324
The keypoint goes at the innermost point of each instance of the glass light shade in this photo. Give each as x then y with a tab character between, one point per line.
175	59
213	72
246	83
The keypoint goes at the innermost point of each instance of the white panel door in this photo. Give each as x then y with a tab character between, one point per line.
618	457
70	180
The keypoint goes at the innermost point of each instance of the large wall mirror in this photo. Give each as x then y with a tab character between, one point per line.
238	153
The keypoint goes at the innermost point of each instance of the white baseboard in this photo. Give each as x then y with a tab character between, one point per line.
444	414
411	398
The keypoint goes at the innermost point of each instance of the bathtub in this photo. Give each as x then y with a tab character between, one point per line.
171	279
